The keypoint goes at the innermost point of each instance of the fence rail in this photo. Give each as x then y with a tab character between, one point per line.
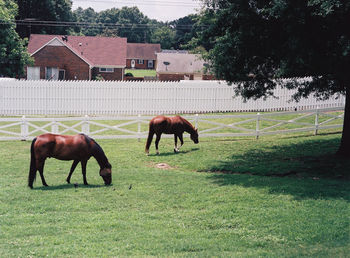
136	127
146	98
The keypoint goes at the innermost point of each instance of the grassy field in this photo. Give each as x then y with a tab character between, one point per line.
225	197
141	72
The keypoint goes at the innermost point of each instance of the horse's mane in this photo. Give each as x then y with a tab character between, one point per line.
98	153
189	126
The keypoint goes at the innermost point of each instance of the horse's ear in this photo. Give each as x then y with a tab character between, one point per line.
196	130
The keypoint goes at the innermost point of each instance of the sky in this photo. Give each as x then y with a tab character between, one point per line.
166	10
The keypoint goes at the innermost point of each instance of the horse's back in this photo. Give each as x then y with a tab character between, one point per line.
158	119
64	147
168	125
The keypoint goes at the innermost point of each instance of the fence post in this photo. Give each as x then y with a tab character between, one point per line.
257	125
196	121
54	127
24	129
138	127
86	125
316	121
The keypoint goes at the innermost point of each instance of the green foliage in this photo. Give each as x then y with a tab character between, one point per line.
256	41
126	22
47	10
129	22
99	77
184	30
88	18
215	201
13	53
165	36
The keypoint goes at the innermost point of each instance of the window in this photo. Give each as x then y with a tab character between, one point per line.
150	64
61	74
33	73
51	73
140	61
106	70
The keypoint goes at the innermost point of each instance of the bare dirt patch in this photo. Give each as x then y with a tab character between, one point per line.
163	166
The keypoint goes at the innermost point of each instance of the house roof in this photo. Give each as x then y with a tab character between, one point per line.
142	51
179	63
97	51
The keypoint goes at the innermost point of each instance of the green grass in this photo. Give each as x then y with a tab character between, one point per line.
225	197
141	72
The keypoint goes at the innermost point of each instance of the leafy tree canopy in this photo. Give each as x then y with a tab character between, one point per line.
44	10
164	36
13	54
184	30
131	23
256	42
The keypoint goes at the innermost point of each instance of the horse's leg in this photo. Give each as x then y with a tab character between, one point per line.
83	170
149	140
157	141
181	140
74	165
175	140
40	165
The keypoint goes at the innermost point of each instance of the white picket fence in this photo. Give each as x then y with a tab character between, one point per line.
26	128
132	98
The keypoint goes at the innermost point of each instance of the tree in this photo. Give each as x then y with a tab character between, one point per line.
13	54
184	30
87	18
35	15
258	42
164	36
126	22
135	27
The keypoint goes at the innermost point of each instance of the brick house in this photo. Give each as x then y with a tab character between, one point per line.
60	57
176	66
142	55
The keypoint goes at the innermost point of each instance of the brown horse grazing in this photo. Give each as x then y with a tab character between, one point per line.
170	125
67	147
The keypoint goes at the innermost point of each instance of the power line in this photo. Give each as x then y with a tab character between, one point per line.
144	2
95	25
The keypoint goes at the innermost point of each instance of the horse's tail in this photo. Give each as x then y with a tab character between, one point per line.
32	170
149	138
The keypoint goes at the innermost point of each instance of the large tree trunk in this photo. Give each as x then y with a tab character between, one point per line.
344	149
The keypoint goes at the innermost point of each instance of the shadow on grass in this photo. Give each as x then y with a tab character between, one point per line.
299	188
305	170
171	153
68	186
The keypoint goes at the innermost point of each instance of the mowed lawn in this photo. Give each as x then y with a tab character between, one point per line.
279	196
141	72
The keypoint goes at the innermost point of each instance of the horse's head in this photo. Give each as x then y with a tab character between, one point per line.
194	136
106	174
